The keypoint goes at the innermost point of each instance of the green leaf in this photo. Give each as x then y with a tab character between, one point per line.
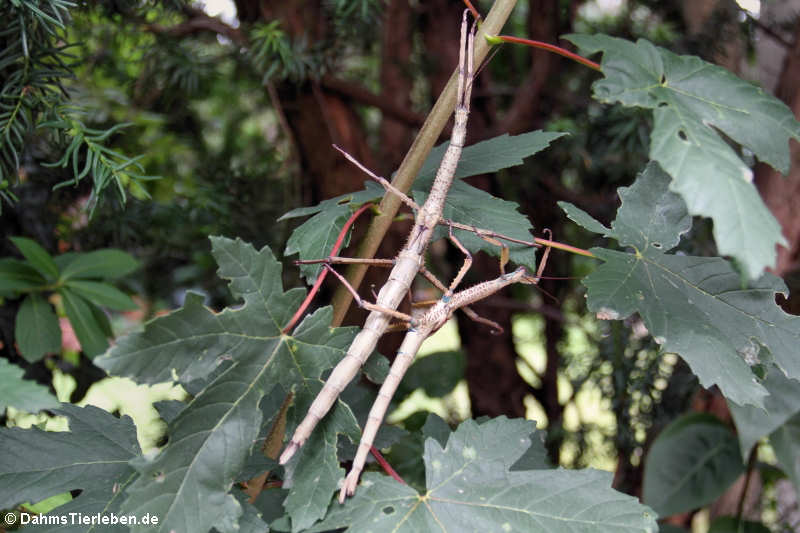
437	374
18	275
248	366
783	402
314	473
196	338
314	238
692	101
584	219
535	457
405	455
487	156
470	488
37	257
251	520
469	205
22	393
371	191
105	264
102	294
691	463
88	329
786	442
92	456
730	524
693	306
436	428
36	328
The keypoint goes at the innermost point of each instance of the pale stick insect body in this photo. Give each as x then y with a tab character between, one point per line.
420	329
406	264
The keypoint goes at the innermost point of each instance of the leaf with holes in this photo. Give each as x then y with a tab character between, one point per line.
692	102
693	306
470	487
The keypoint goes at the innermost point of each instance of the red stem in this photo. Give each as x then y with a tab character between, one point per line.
472	9
324	273
385	465
550	48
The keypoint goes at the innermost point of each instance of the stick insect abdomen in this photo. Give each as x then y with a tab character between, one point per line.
363	345
405	356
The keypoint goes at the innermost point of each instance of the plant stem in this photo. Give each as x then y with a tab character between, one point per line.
751	461
385	465
545	46
412	163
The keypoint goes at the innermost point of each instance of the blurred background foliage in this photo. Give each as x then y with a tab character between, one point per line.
218	118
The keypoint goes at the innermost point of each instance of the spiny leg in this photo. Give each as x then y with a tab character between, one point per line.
383	181
487	235
545	255
335	259
367	305
497	329
464	268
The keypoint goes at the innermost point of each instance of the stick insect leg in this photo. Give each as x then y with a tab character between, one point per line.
337	260
497	329
487	235
383	181
545	255
464	268
367	305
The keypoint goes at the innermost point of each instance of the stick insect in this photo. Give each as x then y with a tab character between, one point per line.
407	263
405	266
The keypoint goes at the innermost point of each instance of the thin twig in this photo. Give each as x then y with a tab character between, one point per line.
751	462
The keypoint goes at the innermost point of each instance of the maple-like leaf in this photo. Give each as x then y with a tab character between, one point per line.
471	487
692	101
21	393
240	366
92	456
693	306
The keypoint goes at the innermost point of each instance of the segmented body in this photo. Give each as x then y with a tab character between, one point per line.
407	263
421	329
